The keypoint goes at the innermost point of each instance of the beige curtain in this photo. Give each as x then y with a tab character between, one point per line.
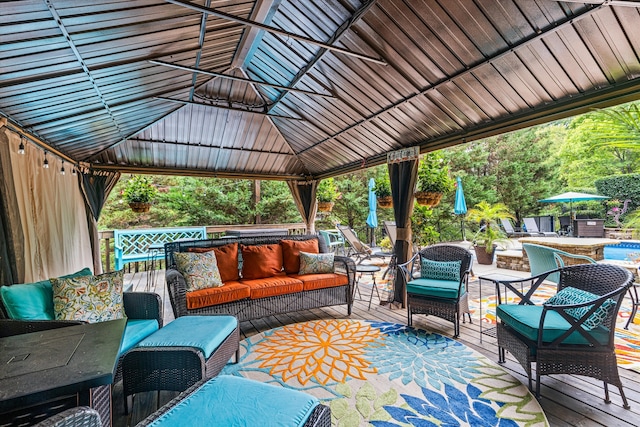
304	195
52	213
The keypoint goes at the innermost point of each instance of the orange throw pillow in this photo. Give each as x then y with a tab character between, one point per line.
261	261
227	257
291	253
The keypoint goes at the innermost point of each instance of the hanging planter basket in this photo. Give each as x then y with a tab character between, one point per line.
140	207
428	198
325	206
385	202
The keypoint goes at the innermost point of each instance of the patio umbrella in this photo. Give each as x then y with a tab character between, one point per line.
460	206
571	197
372	219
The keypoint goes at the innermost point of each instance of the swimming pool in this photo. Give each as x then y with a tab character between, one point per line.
622	250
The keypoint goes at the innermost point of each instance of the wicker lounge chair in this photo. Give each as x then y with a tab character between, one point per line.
447	299
561	337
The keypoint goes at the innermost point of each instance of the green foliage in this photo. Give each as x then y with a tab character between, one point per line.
423	228
139	189
276	204
621	187
617	127
487	216
433	174
327	191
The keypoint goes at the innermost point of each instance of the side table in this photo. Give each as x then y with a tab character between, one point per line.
494	279
368	269
153	251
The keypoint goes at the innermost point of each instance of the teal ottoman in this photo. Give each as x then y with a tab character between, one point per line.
187	350
235	401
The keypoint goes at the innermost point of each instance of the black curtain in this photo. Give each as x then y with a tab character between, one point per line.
304	195
403	176
95	187
11	233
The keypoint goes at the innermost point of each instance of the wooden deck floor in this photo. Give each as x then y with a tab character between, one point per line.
567	400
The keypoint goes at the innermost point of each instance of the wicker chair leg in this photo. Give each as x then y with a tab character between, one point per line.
409	317
625	404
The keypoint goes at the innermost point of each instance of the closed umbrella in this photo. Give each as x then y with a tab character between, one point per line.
372	219
460	206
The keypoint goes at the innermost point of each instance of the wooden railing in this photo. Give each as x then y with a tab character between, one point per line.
213	231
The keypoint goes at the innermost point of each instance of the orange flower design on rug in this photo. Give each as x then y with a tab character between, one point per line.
323	351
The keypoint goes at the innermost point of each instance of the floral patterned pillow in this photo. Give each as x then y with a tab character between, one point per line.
88	298
316	263
200	270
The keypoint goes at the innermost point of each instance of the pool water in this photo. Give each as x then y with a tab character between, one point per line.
624	251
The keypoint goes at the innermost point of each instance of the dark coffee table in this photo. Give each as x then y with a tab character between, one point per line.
49	371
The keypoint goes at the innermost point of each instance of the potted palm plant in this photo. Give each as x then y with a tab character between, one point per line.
383	191
489	235
433	180
326	194
139	192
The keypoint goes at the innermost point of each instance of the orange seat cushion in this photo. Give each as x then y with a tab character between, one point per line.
259	261
230	291
227	259
321	281
291	253
273	286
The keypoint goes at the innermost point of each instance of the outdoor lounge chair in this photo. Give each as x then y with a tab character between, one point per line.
357	249
440	288
511	232
532	227
572	332
544	258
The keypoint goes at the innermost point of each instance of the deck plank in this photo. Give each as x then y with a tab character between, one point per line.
567	400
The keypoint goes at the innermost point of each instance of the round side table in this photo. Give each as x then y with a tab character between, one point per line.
368	269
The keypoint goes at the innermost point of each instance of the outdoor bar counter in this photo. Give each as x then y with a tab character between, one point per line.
591	247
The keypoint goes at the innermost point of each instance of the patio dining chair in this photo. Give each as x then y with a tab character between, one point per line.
333	239
573	331
543	259
439	284
532	227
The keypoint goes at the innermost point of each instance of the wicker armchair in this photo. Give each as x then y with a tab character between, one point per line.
447	299
80	416
562	336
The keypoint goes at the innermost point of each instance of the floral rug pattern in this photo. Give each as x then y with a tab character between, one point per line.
627	341
386	374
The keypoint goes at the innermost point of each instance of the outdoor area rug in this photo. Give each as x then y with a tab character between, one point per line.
386	374
627	341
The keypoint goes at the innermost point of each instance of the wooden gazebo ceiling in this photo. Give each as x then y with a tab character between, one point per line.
170	86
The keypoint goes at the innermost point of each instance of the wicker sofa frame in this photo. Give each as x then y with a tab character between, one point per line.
450	309
595	359
320	417
249	309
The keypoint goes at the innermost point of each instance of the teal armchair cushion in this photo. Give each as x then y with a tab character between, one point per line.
525	319
135	331
436	288
571	295
440	270
33	301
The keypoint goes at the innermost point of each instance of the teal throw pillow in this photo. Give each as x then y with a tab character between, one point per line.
33	301
440	270
571	295
316	263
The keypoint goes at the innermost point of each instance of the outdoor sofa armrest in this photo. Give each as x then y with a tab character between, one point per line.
177	288
143	305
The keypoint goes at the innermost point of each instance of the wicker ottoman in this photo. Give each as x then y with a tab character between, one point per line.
187	350
235	401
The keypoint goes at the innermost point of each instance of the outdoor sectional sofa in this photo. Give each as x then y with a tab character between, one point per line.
254	284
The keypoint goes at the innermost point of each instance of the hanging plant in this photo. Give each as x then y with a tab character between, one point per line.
433	180
326	194
383	191
139	193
